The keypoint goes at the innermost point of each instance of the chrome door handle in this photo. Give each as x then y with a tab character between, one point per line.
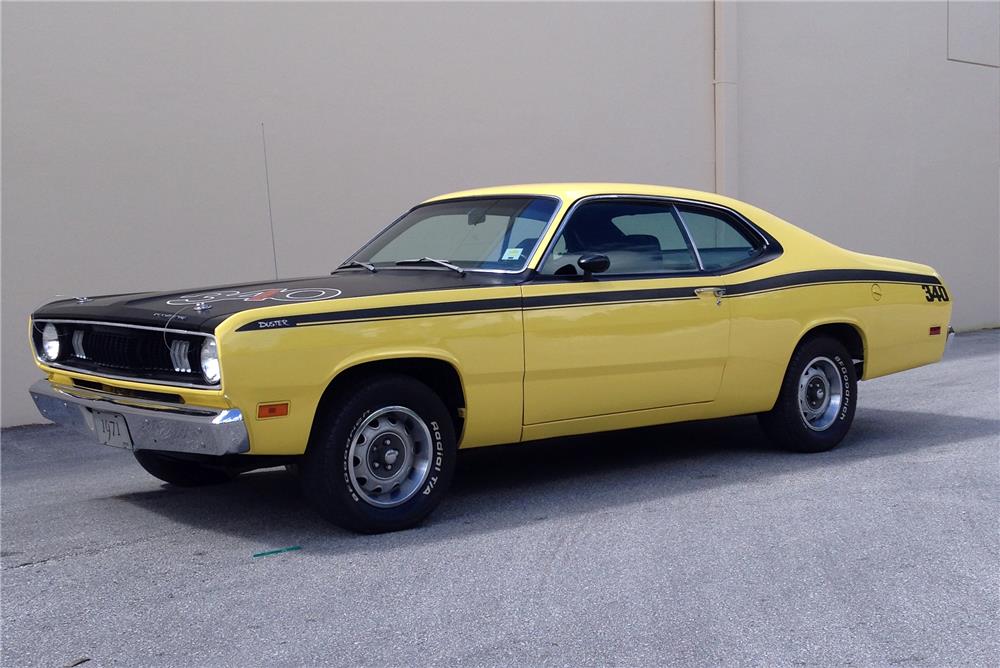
718	293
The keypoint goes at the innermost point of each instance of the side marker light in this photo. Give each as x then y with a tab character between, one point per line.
265	411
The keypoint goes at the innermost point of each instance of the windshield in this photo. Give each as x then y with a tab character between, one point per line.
482	233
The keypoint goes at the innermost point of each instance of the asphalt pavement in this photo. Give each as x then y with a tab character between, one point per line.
694	545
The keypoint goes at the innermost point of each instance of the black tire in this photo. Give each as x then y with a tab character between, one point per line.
181	472
326	474
786	424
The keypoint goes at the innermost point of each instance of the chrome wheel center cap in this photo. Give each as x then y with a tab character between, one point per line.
387	455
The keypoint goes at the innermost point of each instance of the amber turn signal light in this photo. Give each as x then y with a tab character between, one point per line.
265	411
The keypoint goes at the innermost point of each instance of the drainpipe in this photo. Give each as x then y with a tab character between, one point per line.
727	118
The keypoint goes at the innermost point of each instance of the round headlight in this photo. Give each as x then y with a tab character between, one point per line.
210	361
50	343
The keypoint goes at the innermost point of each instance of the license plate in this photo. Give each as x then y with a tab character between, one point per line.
111	429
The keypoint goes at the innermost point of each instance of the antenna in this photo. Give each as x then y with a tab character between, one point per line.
267	185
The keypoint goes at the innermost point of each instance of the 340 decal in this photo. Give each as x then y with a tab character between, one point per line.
270	294
935	293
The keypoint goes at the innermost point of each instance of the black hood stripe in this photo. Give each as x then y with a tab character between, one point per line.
786	281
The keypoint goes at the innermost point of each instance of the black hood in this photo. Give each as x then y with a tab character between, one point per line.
181	308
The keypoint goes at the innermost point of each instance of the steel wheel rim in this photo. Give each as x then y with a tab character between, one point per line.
821	393
390	456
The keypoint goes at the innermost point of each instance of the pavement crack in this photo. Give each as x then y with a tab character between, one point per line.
30	563
89	551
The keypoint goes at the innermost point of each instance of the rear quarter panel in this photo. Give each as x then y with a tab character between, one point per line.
899	324
892	317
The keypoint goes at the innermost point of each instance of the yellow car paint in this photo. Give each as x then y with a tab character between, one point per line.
530	370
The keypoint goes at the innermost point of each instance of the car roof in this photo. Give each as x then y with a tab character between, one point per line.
569	192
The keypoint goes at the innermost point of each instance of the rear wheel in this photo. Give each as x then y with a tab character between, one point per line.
179	471
382	458
815	407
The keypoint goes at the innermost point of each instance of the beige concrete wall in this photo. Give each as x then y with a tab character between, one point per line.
132	151
132	144
855	125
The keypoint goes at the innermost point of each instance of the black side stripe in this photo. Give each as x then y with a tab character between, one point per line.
414	310
654	294
828	276
798	279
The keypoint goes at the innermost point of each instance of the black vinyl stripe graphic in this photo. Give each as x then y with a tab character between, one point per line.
798	279
649	294
413	310
795	280
827	276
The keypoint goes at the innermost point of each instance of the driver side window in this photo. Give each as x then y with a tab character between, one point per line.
638	237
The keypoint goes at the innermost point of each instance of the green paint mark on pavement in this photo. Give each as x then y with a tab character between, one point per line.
269	553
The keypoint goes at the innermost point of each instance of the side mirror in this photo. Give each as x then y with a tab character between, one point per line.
593	264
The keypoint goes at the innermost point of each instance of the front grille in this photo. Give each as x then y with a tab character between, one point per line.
124	351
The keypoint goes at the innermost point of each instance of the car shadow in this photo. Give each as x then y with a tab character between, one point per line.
507	486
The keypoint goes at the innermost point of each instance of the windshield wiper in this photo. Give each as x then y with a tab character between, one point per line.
356	263
433	260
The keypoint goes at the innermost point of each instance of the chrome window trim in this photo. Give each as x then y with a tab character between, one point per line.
765	241
131	379
548	224
687	236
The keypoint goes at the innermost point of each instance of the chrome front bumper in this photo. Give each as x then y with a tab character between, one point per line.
152	425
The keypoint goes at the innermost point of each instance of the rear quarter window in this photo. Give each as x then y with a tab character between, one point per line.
721	241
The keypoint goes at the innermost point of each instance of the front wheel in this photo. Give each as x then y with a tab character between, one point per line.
815	406
382	458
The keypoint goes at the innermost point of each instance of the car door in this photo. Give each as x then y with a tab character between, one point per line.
651	331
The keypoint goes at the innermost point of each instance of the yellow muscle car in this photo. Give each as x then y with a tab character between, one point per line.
490	316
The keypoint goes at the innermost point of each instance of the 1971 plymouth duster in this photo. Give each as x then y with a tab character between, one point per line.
490	316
